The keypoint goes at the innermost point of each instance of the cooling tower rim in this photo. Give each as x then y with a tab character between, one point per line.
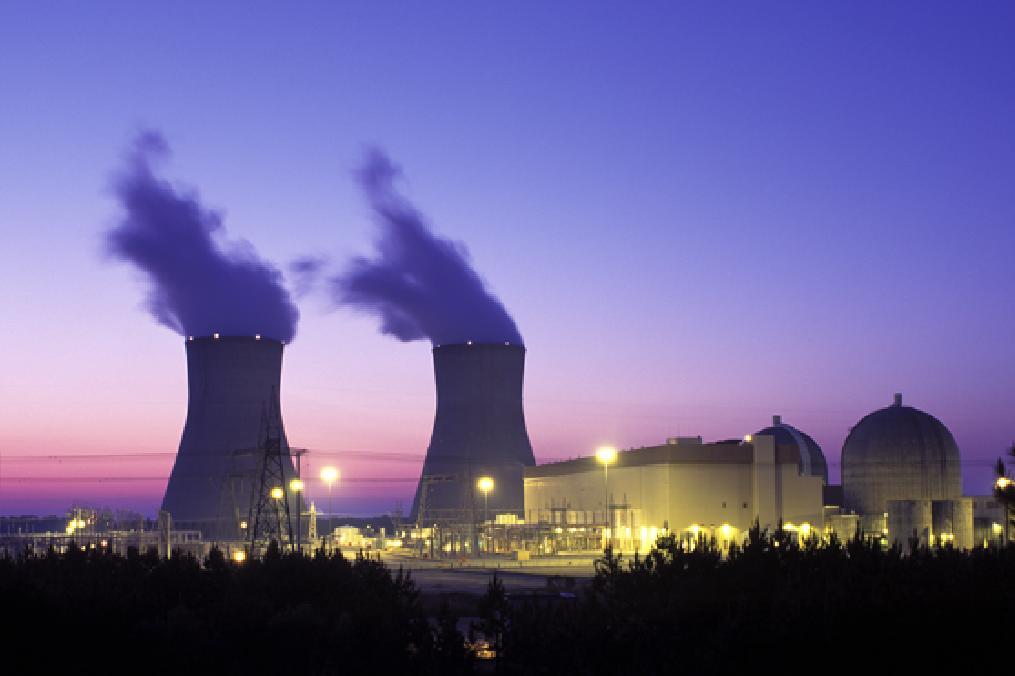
476	344
219	338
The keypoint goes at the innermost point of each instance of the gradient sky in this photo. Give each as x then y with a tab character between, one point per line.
699	214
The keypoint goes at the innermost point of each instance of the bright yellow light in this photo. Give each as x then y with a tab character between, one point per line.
789	527
996	528
277	493
727	530
695	529
748	438
1002	483
485	484
329	475
606	455
805	529
239	556
296	485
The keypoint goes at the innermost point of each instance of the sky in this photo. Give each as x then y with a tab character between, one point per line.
698	214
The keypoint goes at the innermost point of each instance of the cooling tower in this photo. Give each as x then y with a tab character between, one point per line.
233	390
479	430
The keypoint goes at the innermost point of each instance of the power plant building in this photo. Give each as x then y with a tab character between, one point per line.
684	486
901	483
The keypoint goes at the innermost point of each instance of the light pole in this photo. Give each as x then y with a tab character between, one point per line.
277	494
296	486
1004	490
329	475
606	455
485	484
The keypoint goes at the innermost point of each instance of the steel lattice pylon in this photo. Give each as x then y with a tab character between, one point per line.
270	513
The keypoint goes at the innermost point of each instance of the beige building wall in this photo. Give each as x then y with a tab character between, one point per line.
677	487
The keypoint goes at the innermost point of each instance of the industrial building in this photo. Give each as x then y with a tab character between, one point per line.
684	486
901	484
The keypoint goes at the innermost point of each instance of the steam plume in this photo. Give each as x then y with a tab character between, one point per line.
197	286
305	273
419	284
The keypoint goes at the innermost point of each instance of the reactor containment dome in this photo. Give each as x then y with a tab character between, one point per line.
791	441
898	453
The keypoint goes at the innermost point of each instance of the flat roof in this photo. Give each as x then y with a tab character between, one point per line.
725	452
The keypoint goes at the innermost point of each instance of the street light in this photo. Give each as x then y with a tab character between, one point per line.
329	475
485	484
1004	491
277	494
607	455
296	486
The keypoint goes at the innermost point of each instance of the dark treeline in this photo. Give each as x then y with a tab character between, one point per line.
284	614
769	606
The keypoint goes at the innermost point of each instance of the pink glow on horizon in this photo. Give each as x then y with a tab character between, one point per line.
698	218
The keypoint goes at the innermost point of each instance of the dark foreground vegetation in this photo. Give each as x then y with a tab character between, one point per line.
771	606
775	607
285	614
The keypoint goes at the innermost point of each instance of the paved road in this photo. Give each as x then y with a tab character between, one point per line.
475	580
471	576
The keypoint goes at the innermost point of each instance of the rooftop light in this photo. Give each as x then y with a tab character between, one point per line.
606	455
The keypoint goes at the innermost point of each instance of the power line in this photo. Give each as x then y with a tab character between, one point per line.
105	479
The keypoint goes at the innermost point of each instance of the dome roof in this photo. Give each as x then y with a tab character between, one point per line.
898	453
789	439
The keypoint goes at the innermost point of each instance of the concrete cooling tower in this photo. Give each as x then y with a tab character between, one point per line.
479	430
233	395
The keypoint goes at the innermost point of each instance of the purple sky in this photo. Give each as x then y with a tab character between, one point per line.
698	214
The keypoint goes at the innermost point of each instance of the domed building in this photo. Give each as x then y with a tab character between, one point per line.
898	453
790	441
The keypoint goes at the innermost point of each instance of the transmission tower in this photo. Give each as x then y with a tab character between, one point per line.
270	498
